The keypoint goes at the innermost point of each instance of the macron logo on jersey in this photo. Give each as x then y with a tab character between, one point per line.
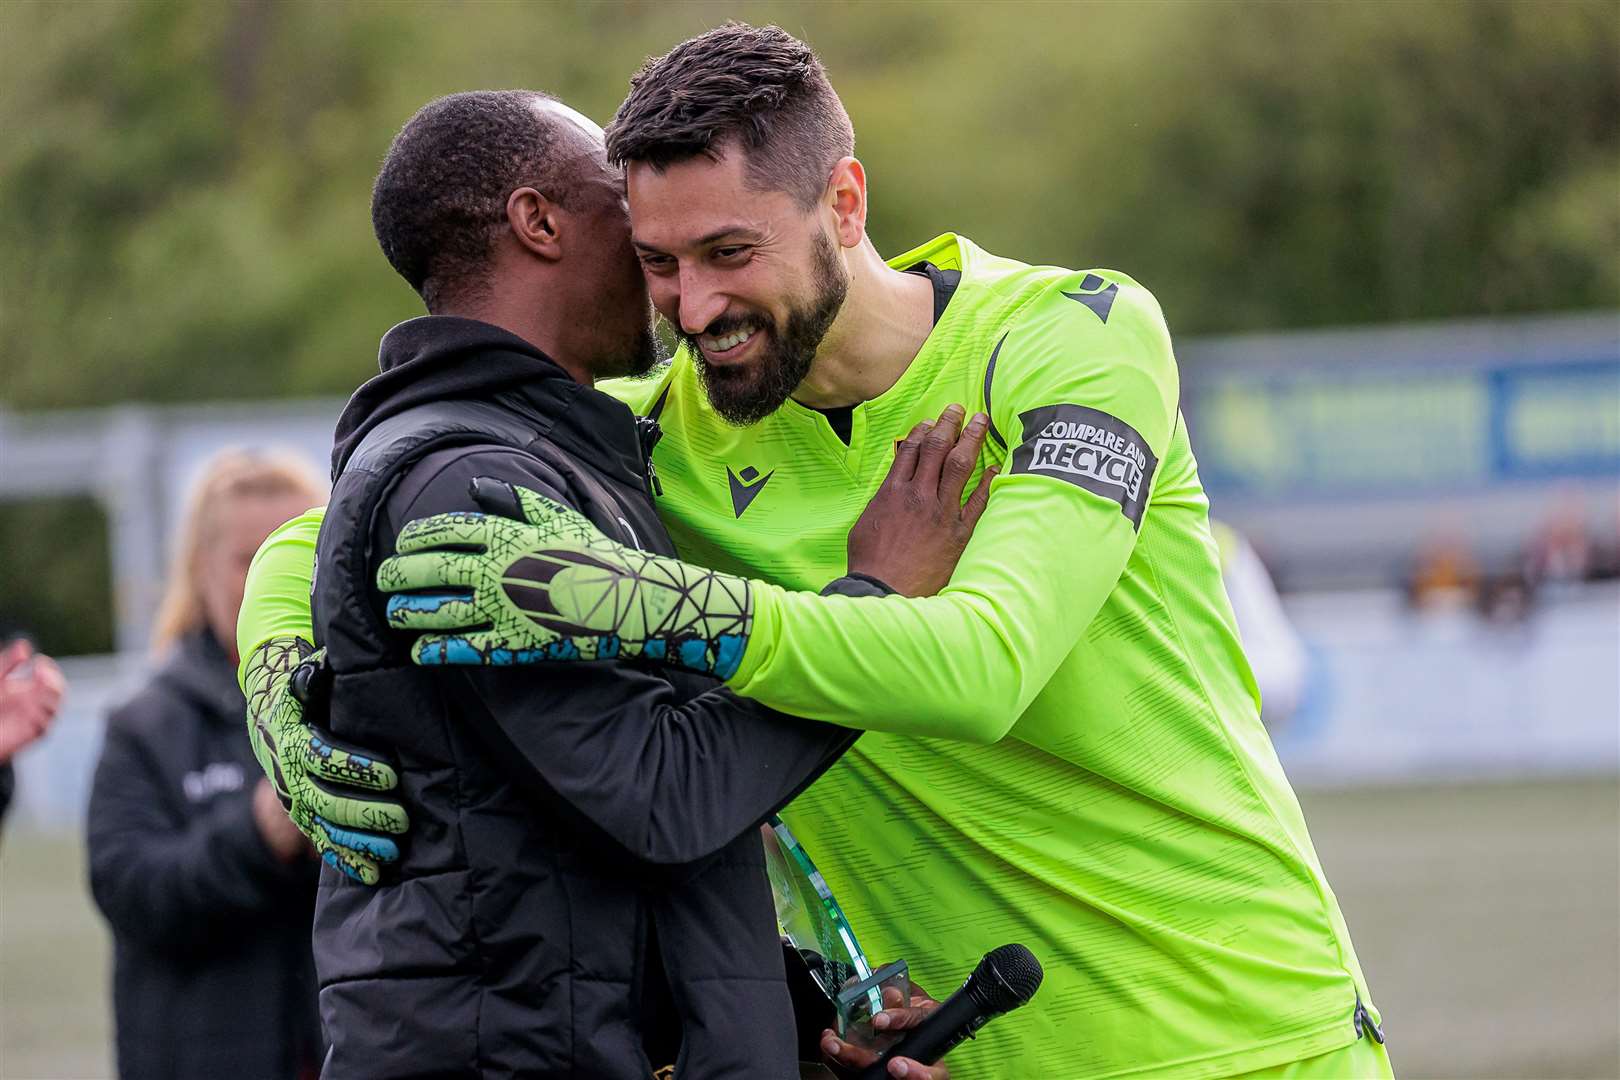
1094	296
746	486
1089	449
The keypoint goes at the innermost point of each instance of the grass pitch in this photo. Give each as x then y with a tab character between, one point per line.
1487	918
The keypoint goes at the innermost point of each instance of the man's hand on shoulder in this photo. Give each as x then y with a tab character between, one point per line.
913	532
335	794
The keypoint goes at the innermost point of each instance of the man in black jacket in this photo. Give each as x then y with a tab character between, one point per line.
584	889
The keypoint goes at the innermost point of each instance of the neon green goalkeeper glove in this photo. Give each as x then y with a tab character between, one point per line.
332	792
537	582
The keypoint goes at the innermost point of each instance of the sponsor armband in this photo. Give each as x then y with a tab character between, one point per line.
1090	449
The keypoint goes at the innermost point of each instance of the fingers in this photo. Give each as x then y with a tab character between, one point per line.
850	1056
429	570
487	648
345	808
433	611
461	528
979	499
899	1013
335	763
961	460
896	1016
50	679
899	1019
375	815
477	650
936	444
905	454
27	703
510	500
15	656
539	510
845	1053
352	863
356	842
18	728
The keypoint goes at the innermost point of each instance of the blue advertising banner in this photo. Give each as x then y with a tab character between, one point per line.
1320	433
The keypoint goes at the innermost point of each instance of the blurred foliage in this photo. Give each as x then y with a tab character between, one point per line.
56	591
184	186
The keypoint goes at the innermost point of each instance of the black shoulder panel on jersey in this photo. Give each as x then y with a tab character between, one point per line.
658	406
990	373
1094	296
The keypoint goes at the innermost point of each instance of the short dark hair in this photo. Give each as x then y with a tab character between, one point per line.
758	86
440	198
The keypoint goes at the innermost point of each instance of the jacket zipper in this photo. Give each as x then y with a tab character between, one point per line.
648	433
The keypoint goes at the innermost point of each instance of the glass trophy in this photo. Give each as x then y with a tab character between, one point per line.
811	920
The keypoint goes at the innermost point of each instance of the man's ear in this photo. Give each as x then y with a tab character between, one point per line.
535	222
846	192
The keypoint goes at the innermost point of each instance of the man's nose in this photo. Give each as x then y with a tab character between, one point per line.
700	302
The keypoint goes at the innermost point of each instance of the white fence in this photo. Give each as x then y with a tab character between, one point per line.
1397	695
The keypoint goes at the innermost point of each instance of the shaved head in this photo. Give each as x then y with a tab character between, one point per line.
573	116
439	203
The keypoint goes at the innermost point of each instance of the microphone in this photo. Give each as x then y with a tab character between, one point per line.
1005	979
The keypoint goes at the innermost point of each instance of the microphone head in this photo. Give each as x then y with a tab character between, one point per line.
1006	978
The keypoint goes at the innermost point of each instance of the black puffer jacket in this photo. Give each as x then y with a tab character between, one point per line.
584	869
212	972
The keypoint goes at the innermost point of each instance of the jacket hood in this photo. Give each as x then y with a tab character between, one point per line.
443	357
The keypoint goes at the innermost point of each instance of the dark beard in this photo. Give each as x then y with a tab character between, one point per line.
748	394
641	357
648	353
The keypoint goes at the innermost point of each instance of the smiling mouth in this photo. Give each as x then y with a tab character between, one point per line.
726	346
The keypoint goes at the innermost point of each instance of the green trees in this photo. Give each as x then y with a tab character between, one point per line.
184	187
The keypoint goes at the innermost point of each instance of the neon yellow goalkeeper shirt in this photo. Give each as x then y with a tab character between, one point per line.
1064	746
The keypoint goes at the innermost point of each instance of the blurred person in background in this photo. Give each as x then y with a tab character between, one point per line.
1606	552
1445	575
1561	554
1276	654
207	885
31	689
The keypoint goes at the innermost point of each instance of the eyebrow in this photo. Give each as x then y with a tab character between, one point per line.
714	237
